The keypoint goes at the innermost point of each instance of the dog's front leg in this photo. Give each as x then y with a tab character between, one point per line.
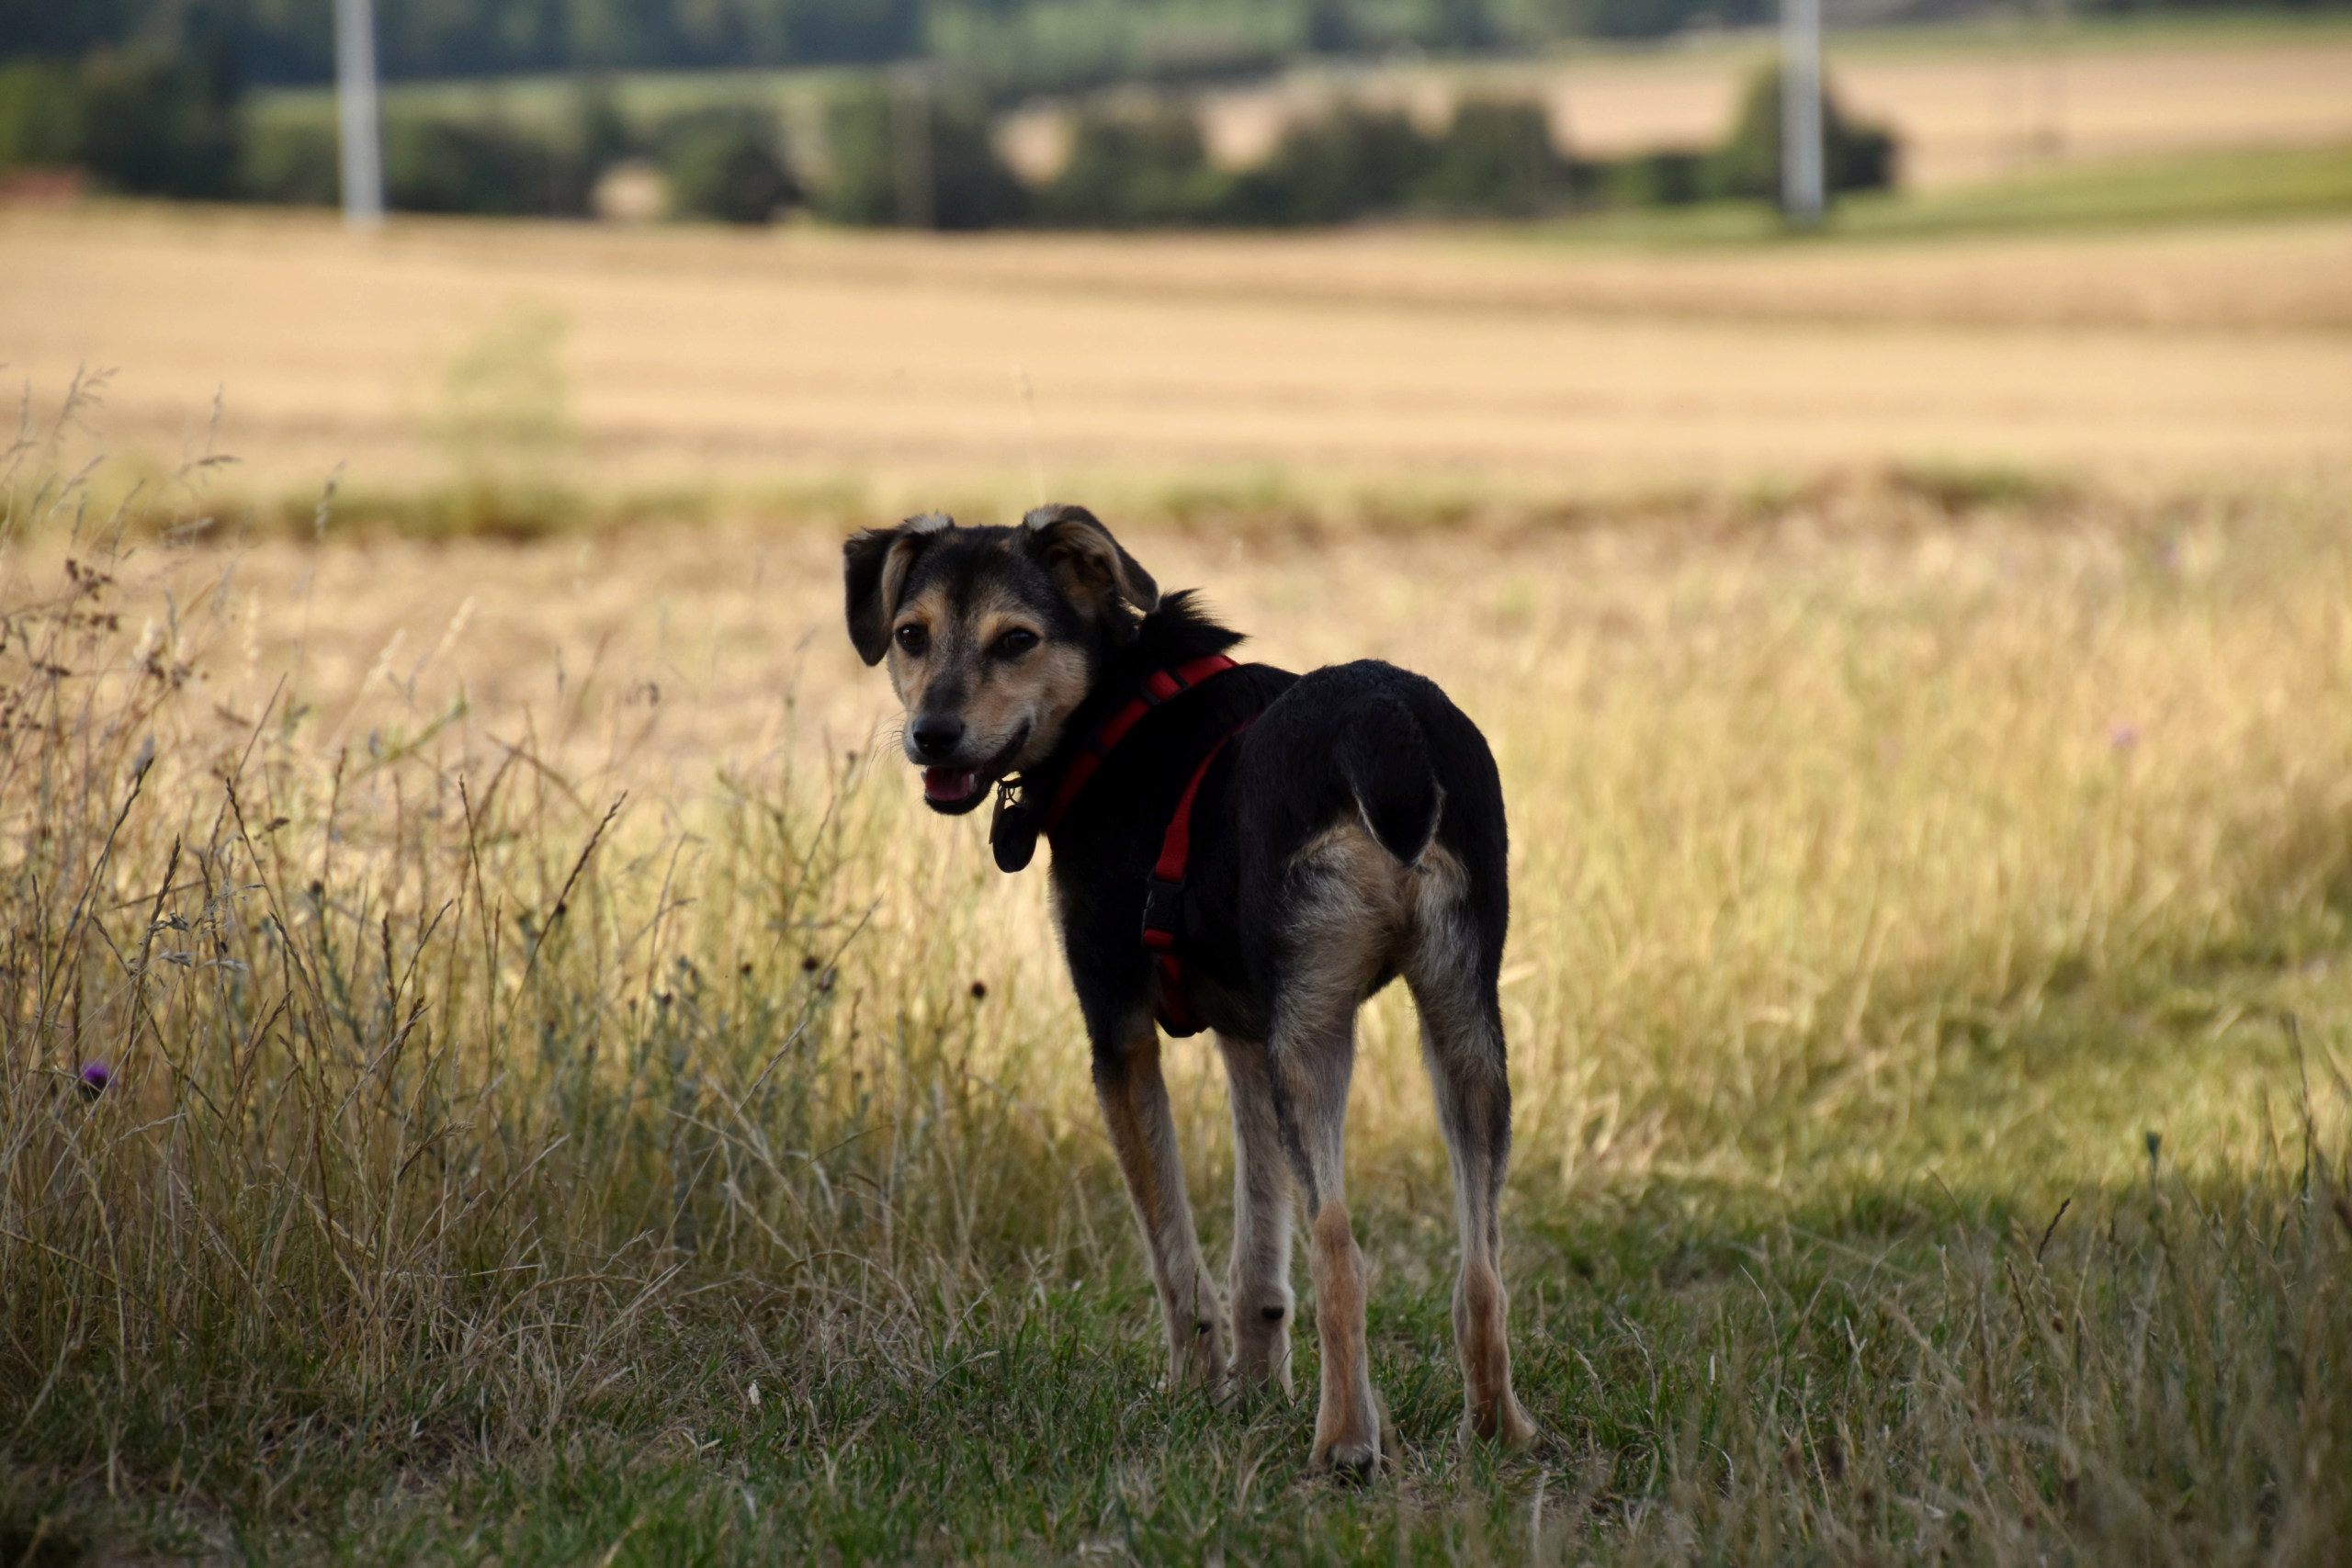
1143	1132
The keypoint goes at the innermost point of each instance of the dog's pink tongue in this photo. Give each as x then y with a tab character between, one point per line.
948	784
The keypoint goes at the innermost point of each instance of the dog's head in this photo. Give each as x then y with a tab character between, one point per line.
994	636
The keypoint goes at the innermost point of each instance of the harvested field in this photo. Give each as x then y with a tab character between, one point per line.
1446	363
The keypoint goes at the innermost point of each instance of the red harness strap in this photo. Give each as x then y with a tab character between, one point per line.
1161	686
1163	908
1163	905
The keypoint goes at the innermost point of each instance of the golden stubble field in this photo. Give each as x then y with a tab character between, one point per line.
1399	361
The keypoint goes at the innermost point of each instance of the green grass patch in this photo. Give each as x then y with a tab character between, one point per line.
2202	187
2179	189
551	102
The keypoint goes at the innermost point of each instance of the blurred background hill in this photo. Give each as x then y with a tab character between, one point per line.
1024	41
1538	236
1019	43
1123	113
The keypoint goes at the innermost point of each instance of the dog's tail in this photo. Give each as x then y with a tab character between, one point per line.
1384	758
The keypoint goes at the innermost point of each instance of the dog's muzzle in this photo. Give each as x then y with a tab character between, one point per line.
954	790
950	786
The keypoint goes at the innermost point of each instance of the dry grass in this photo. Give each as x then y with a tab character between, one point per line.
539	1017
1462	366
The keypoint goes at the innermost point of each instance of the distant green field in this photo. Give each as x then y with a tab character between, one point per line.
2200	187
2168	29
2187	188
543	101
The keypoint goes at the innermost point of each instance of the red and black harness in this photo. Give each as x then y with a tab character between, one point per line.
1163	908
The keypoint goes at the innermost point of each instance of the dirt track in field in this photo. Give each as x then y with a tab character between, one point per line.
1449	362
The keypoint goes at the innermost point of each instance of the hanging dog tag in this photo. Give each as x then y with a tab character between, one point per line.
1013	832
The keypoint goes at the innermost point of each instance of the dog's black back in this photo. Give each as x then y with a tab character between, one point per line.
1365	740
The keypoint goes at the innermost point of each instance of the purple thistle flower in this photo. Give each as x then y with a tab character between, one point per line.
94	1076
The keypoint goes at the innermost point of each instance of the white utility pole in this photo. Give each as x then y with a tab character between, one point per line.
354	81
1801	149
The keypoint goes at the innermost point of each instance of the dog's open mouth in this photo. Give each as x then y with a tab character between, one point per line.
950	786
958	790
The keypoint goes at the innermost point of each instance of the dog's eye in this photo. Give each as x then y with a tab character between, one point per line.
912	639
1013	644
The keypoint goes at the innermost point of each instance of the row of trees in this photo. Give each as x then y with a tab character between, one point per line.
147	122
719	163
1023	43
1495	159
160	125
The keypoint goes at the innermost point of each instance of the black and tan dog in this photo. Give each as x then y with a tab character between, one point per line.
1236	847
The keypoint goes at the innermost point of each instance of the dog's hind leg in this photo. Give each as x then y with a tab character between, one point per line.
1344	915
1462	1042
1312	1065
1134	1097
1258	1284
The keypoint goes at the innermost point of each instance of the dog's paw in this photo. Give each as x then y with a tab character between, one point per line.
1254	1390
1357	1462
1503	1424
1355	1456
1196	1363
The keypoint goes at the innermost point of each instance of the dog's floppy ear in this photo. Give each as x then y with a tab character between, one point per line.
874	569
1091	567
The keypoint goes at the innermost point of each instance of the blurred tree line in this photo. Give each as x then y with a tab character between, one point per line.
145	122
166	124
1494	158
1031	45
1043	43
895	149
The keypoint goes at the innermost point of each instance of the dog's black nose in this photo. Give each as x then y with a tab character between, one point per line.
936	737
